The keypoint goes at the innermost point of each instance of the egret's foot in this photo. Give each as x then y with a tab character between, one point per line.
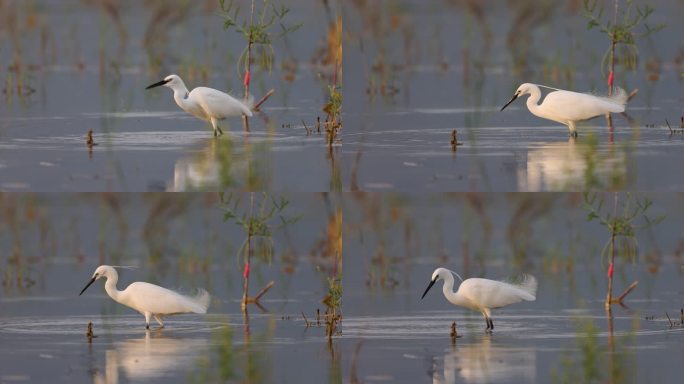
220	131
490	324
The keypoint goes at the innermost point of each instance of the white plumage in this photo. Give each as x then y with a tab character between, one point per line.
483	295
149	299
567	107
205	103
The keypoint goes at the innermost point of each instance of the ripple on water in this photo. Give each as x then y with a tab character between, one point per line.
522	326
118	325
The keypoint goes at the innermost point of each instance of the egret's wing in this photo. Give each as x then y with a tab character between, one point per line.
494	294
159	300
575	106
218	104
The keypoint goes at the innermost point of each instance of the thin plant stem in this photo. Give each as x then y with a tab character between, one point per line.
248	74
245	290
611	74
611	267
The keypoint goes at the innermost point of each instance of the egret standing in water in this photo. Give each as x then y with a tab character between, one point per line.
205	103
149	299
567	107
483	295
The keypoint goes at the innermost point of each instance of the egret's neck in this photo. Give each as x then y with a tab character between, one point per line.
533	100
448	289
110	288
180	94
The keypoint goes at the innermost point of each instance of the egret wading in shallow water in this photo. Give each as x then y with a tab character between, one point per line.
567	107
483	295
149	299
205	103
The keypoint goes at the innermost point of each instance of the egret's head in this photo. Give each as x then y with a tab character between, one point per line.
101	271
523	89
439	273
104	271
169	81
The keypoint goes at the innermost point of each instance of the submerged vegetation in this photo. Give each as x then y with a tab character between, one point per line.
258	34
258	31
622	227
620	31
596	362
258	217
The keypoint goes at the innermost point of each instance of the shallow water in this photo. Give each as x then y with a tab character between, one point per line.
56	349
145	142
524	348
177	241
563	336
413	95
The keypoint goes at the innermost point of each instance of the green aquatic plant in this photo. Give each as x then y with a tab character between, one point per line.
595	362
622	227
260	33
231	359
259	218
621	33
333	108
333	301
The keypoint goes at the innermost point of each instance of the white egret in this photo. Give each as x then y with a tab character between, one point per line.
567	107
205	103
149	299
483	295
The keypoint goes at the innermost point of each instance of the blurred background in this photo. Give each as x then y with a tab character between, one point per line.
393	243
422	70
70	67
51	244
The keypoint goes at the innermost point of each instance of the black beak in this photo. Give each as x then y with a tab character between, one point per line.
428	288
512	100
157	84
87	285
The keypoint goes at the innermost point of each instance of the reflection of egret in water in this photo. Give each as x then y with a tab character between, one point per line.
151	357
214	166
483	362
572	166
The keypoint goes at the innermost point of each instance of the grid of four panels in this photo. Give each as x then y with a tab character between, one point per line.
319	191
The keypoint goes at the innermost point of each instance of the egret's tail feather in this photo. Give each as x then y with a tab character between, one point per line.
247	105
619	96
528	285
249	101
200	302
616	101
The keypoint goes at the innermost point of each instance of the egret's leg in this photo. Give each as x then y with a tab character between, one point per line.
159	320
487	313
217	129
573	128
147	319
